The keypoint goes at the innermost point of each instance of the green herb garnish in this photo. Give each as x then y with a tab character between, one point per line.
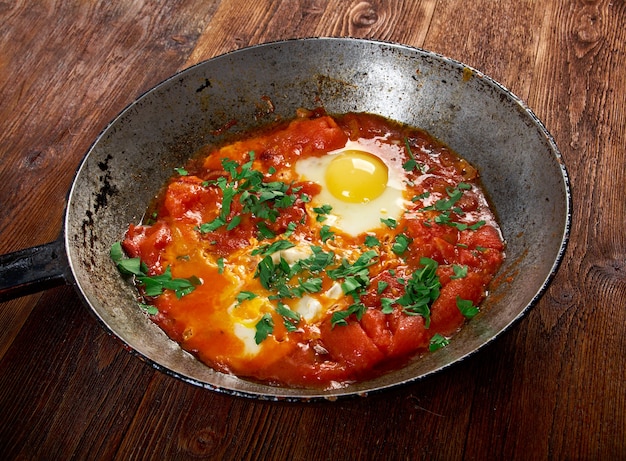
326	233
466	307
371	241
340	317
290	318
322	211
401	244
437	342
459	272
153	285
421	290
411	164
264	328
245	296
389	222
278	245
257	197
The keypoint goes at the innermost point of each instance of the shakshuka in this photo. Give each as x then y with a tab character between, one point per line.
316	252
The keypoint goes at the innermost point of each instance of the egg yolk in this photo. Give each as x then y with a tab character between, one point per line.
356	176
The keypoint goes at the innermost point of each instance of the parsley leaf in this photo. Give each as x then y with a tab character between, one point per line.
411	164
245	296
340	317
477	225
264	231
278	245
389	222
401	244
291	227
371	241
317	262
386	305
466	307
211	226
290	318
356	279
153	285
324	209
421	290
459	272
326	233
258	198
149	309
421	196
437	342
264	328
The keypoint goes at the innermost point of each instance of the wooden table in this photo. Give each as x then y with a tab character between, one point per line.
553	387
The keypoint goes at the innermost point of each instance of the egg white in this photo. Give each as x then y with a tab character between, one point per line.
355	218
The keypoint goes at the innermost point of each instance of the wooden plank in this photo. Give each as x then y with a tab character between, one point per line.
552	387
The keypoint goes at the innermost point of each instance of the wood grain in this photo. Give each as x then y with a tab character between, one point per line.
553	387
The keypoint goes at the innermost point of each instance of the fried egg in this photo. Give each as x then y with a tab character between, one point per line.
363	182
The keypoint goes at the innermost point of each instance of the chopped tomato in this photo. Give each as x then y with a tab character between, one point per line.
409	333
485	236
187	199
147	243
445	317
375	325
350	344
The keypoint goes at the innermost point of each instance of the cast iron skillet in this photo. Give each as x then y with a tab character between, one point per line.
519	161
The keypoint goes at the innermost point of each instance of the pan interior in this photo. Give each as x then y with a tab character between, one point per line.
519	163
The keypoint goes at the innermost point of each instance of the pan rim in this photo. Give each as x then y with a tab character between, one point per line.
315	395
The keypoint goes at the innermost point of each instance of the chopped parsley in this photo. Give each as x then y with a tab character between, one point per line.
153	285
466	307
326	233
257	197
322	211
371	241
386	305
356	277
264	231
401	244
246	296
437	342
421	290
291	227
291	281
389	222
290	318
447	206
459	272
411	164
278	245
264	328
340	317
421	196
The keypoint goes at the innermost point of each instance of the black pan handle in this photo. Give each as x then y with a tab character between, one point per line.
32	270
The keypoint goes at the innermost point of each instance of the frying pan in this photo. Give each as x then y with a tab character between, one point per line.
521	168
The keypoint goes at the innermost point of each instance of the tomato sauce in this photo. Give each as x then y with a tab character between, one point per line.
280	297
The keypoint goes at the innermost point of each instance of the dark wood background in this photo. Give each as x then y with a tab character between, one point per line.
554	387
